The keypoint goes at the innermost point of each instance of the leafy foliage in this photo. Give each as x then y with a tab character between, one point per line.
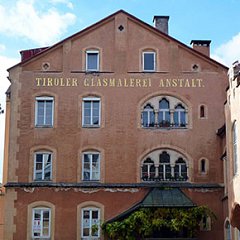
143	222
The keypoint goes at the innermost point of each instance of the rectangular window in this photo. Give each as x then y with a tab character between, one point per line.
44	111
149	61
41	223
91	112
43	167
92	61
90	223
91	167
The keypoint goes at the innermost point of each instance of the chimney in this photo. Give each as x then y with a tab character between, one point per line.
202	46
161	23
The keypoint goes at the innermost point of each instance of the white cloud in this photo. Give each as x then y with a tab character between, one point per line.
2	47
4	84
66	2
24	20
228	52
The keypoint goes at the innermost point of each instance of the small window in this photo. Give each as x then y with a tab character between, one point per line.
164	166
44	112
202	112
180	169
203	166
148	116
149	61
92	61
179	116
235	156
90	228
228	235
164	113
148	170
91	112
91	167
41	223
43	166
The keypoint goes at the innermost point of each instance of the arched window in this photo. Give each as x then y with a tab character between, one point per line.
164	167
90	228
203	166
164	113
42	166
148	170
180	169
228	231
91	166
202	111
234	139
179	116
148	116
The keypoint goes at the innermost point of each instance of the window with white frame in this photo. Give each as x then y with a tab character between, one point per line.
90	223
91	166
179	116
148	169
235	156
149	61
41	222
44	111
180	169
164	112
92	60
42	166
148	116
164	165
91	112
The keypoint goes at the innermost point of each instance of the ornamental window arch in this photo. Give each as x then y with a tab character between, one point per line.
164	111
164	165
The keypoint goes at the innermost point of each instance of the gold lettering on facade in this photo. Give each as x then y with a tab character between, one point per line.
181	82
120	82
112	82
105	82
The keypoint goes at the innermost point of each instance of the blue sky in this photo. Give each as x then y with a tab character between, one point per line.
26	24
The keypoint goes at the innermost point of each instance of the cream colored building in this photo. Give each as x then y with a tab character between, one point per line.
232	169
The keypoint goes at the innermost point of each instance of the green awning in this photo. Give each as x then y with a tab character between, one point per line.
166	198
158	197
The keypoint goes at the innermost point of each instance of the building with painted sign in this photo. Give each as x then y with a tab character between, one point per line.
116	118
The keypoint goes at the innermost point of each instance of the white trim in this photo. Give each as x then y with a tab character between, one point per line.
91	170
36	111
91	99
43	170
93	52
41	209
154	61
90	209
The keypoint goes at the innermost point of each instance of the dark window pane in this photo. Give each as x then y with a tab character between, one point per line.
148	61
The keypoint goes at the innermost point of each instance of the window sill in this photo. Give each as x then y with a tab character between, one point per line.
42	181
43	126
91	126
92	181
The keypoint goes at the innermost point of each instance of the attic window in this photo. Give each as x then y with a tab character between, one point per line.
45	66
195	67
121	28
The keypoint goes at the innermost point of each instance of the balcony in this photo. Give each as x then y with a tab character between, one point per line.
161	179
165	125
